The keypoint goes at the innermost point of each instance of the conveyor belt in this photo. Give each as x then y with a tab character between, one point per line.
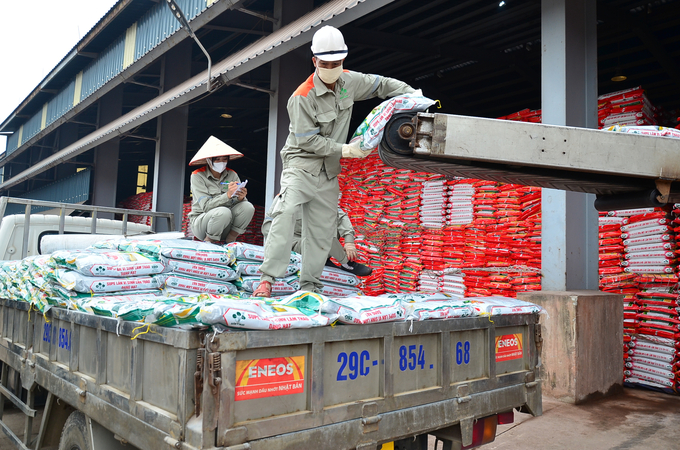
623	170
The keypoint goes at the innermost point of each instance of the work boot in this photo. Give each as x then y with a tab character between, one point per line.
263	290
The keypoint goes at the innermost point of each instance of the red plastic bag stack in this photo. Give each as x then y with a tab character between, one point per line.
186	227
626	107
611	254
141	202
253	234
525	115
648	240
652	354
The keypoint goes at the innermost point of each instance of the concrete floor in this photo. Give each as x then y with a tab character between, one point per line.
635	420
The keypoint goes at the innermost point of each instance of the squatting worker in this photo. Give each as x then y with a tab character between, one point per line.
320	111
344	254
220	211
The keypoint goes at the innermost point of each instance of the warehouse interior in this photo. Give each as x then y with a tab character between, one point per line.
479	58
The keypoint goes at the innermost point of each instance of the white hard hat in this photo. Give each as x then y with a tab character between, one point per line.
328	44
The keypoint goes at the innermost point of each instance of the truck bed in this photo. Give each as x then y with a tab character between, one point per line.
329	388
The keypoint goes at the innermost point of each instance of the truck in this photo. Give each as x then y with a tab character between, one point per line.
110	384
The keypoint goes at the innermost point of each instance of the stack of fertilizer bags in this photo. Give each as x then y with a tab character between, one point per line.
191	266
249	258
27	281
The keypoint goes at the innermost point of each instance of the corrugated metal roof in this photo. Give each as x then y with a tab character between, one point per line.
154	27
289	37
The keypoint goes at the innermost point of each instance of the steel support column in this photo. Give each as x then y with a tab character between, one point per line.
569	97
288	72
68	134
106	155
171	147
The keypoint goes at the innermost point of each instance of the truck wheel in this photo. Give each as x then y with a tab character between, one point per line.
74	435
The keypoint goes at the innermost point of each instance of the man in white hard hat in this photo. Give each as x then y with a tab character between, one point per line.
320	111
345	254
220	211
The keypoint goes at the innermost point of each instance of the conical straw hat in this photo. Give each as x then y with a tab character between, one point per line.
212	148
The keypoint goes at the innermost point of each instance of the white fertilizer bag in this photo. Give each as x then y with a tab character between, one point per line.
78	282
108	263
363	310
501	306
213	272
370	132
257	315
338	276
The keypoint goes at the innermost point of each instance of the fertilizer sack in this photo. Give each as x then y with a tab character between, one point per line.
211	271
371	130
202	252
363	310
78	282
104	263
497	306
193	284
257	315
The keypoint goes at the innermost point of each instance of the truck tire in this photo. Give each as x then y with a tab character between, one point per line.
74	435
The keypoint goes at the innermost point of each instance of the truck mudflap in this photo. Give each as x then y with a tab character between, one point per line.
366	433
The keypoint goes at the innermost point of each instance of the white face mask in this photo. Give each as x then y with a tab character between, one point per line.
330	76
217	166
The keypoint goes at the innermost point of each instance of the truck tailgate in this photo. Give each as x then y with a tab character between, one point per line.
368	384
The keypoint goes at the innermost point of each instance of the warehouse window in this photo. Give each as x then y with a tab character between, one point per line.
142	174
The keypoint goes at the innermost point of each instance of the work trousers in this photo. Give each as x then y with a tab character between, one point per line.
317	196
337	250
218	222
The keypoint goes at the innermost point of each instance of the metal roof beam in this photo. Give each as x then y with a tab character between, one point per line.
336	13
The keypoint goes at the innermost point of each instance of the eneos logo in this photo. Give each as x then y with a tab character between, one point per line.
271	377
509	347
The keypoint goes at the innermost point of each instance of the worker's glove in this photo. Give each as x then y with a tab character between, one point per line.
418	92
351	251
353	150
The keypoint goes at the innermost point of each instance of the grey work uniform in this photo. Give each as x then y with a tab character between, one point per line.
345	230
319	124
213	213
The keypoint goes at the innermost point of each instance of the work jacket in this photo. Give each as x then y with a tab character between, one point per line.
209	192
319	118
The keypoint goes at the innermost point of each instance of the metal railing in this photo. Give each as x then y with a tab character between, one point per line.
94	210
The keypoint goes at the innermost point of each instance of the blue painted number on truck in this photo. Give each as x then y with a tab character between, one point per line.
64	336
463	352
357	364
409	359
